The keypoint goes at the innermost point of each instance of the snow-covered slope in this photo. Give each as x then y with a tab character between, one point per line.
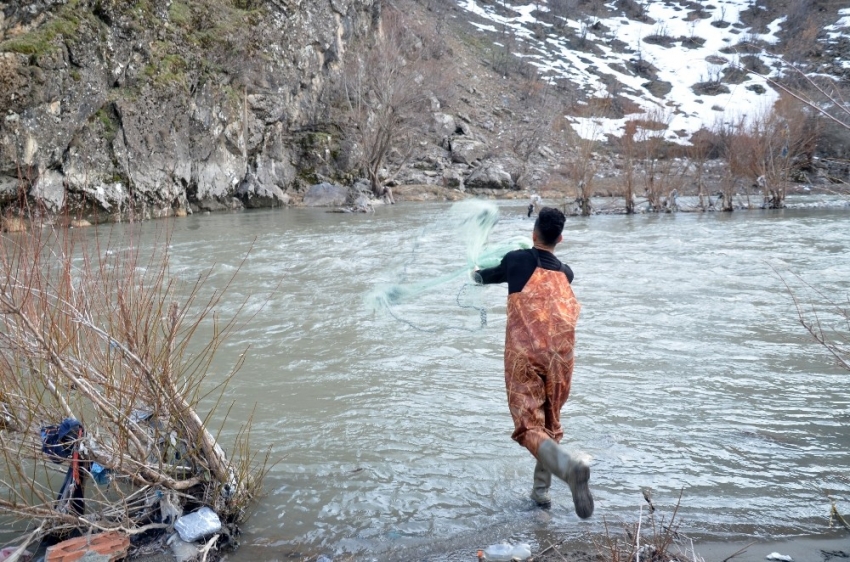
694	52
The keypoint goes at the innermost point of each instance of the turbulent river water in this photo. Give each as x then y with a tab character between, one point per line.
392	435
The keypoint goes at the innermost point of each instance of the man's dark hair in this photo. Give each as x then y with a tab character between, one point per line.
549	225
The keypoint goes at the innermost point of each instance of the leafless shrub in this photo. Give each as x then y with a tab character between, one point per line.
651	539
581	168
702	148
830	326
628	150
720	21
662	174
711	84
97	331
660	36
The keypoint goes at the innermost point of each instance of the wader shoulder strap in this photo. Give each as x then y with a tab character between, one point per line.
537	257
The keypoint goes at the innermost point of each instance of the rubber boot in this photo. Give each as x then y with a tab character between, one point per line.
542	481
574	469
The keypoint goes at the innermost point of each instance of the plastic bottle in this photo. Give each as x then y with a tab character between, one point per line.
505	552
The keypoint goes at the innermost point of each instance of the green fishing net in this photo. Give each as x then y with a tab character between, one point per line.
437	271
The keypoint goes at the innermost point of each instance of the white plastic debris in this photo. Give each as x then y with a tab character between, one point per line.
183	551
779	557
505	552
198	524
169	508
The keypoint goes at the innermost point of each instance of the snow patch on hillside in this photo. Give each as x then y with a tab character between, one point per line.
686	51
841	27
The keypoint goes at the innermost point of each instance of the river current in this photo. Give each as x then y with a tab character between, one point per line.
391	435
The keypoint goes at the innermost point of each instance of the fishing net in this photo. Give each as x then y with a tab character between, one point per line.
437	272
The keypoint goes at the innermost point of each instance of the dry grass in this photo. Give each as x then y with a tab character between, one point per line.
651	539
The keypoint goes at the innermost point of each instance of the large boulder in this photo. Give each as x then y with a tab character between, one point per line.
49	188
8	189
453	179
490	176
467	151
325	195
444	125
256	195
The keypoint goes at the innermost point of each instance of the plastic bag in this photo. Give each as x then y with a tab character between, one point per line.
198	524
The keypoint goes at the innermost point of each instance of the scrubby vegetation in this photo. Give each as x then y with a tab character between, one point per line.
94	331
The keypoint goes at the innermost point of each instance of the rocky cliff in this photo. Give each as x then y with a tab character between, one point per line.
165	106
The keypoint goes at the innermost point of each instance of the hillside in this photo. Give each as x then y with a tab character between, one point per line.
156	108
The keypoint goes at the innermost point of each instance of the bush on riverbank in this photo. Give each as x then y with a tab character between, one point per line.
105	363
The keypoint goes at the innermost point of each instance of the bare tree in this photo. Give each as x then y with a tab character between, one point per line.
583	171
529	126
628	152
768	148
386	89
662	175
699	152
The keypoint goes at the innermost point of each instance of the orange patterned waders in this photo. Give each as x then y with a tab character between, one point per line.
539	342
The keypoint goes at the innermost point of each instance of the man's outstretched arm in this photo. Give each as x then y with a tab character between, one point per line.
498	274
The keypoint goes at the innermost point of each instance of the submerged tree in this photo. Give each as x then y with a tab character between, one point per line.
765	150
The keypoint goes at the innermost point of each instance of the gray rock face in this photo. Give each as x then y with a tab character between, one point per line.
49	188
467	151
444	125
8	189
140	107
258	194
490	176
326	195
453	179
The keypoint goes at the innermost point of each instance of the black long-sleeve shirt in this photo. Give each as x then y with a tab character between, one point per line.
517	267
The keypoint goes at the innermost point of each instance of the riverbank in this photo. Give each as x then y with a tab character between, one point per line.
834	546
607	202
604	202
831	546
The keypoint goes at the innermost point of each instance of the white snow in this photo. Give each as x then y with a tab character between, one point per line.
841	27
682	67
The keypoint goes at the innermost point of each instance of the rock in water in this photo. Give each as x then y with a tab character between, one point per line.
325	195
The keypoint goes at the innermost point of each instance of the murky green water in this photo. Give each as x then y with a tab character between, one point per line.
692	374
